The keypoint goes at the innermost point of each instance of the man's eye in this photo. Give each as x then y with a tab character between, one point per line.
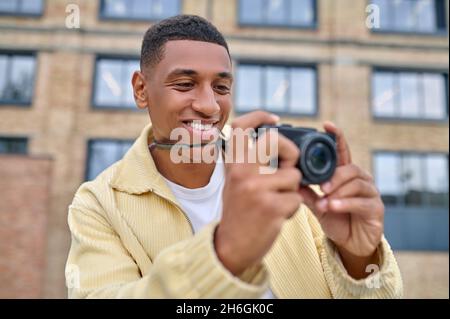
184	85
223	89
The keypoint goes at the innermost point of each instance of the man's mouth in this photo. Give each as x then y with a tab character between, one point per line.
206	130
199	125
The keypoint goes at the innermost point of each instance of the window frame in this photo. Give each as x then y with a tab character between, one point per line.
287	65
89	154
401	154
398	70
102	17
439	33
313	26
94	105
25	14
10	54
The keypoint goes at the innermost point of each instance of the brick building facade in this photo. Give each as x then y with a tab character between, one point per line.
69	117
25	184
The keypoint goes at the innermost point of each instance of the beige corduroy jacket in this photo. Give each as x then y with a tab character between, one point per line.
131	239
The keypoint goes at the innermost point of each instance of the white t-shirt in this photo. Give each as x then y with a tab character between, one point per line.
204	205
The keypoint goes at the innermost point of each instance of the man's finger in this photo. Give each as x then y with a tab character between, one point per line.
254	119
342	175
344	156
285	179
271	144
354	188
353	205
289	203
310	197
240	138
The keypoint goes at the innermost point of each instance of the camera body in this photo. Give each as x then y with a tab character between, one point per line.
318	152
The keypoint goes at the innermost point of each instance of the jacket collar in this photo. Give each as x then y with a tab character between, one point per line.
136	173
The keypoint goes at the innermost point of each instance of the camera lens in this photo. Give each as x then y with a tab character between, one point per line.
319	158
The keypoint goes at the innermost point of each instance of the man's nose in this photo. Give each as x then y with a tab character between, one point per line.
205	102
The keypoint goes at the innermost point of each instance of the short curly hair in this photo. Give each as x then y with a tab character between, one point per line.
180	27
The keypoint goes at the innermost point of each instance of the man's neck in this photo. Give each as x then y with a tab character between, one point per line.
189	175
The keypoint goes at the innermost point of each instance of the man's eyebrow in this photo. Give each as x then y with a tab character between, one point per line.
189	72
178	72
225	75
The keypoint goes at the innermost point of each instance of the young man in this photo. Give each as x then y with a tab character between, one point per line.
148	227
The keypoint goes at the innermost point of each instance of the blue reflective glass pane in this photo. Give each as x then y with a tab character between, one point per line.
408	15
161	9
248	88
140	9
426	15
276	88
434	96
251	11
115	8
103	154
3	147
154	9
109	90
386	167
13	145
276	11
302	91
437	179
386	13
437	173
412	180
409	95
19	86
9	6
31	6
301	12
404	19
3	75
383	94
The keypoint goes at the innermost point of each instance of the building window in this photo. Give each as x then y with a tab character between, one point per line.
412	179
277	89
16	78
409	95
21	7
139	9
415	16
103	153
287	13
113	87
13	145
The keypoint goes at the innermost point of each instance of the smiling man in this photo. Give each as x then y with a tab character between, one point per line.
149	227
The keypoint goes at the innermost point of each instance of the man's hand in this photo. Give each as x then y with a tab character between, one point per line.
351	212
256	205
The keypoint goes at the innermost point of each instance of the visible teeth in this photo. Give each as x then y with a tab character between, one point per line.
199	126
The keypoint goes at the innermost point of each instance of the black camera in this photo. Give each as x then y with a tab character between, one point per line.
318	154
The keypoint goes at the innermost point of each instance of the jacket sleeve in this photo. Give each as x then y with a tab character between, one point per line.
99	266
385	282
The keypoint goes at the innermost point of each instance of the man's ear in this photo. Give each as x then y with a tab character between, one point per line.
140	94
